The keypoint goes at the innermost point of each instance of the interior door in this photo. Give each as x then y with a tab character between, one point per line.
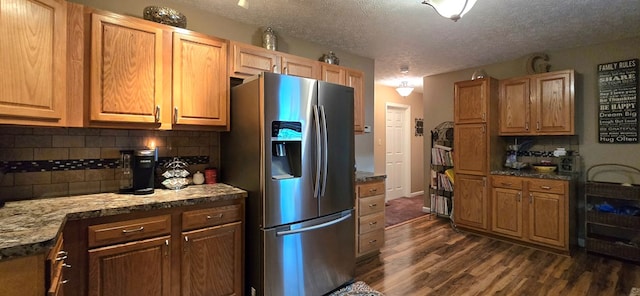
397	152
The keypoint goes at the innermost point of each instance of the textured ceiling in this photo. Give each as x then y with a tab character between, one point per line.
406	32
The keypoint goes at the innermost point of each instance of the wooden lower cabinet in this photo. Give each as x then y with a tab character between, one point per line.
470	201
190	250
212	261
531	210
370	218
135	268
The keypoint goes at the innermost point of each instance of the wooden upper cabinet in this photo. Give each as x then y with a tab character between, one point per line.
515	110
334	74
471	144
200	81
471	100
540	104
126	69
355	79
297	66
554	99
248	60
33	58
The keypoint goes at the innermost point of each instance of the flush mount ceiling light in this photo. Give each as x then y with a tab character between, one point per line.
404	89
451	9
243	3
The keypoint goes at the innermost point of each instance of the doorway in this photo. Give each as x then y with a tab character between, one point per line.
398	150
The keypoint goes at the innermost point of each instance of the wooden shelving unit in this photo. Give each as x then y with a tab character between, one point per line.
611	228
441	188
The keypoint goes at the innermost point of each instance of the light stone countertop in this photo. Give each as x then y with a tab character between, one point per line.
29	227
534	174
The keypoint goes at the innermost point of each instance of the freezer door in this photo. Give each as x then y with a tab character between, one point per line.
335	103
310	258
288	102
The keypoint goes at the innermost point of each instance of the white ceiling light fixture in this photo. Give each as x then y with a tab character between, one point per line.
451	9
404	89
243	3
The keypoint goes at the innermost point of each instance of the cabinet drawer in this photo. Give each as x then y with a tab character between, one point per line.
370	205
543	185
371	222
370	189
210	217
370	241
124	231
506	182
55	262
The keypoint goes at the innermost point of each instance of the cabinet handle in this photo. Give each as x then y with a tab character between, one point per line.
526	125
64	257
373	223
484	116
285	70
65	265
484	182
175	115
373	190
373	205
506	184
538	125
125	231
483	129
530	198
157	113
64	281
545	187
273	68
166	247
519	198
373	241
63	253
218	216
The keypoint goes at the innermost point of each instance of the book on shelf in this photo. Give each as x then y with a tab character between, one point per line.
441	157
440	204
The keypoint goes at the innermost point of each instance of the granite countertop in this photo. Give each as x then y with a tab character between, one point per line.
534	174
29	227
362	177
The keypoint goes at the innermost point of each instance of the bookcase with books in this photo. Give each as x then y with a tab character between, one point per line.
442	178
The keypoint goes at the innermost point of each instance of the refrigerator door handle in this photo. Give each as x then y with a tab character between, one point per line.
325	150
316	118
322	225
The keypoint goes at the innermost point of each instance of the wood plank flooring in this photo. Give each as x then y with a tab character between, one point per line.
428	257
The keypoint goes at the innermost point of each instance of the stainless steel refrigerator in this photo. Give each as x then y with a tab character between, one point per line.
291	146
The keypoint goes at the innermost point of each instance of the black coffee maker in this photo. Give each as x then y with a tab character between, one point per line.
138	167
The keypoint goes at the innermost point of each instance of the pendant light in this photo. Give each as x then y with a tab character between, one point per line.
243	3
451	9
404	89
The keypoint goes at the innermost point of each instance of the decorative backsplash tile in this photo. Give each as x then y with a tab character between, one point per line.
40	162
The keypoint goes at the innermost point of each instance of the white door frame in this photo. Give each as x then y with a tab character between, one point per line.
406	139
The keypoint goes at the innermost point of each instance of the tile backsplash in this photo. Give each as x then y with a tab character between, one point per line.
40	162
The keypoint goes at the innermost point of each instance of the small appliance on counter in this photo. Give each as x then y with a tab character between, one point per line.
137	174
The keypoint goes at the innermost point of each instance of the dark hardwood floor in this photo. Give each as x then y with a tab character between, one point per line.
427	257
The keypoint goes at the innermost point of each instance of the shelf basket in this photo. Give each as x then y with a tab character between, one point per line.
613	249
632	222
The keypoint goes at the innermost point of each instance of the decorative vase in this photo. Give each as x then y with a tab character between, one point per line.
198	178
269	39
330	58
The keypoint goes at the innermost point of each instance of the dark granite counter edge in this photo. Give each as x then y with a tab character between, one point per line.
363	177
34	248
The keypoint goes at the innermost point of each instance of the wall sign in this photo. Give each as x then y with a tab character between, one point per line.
618	105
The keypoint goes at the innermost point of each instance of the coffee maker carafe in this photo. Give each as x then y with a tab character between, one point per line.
138	167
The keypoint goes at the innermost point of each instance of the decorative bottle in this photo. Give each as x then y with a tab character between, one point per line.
269	39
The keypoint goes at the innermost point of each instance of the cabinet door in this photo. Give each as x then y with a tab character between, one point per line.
470	101
514	106
126	69
33	59
470	156
554	109
200	83
212	261
506	213
297	66
470	201
355	79
132	269
249	60
547	220
332	73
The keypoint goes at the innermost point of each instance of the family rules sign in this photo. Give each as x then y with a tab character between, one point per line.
618	105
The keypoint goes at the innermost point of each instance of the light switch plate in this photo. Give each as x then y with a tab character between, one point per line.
367	128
